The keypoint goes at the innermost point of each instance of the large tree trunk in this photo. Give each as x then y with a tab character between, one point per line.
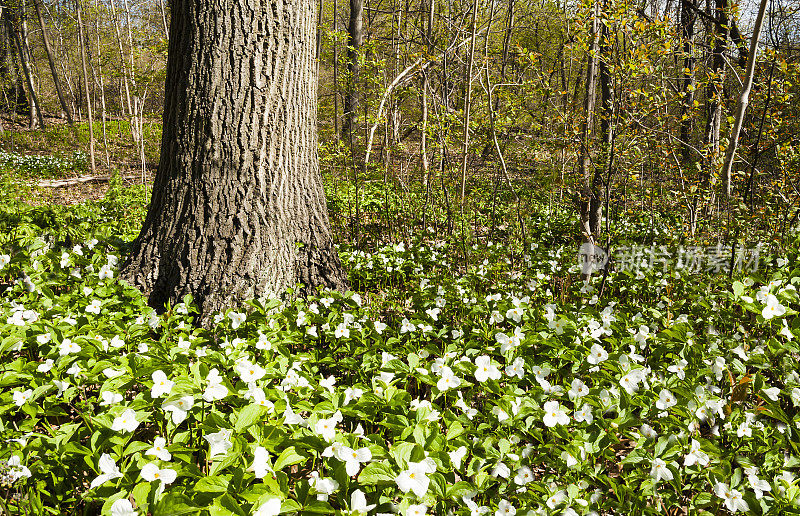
238	209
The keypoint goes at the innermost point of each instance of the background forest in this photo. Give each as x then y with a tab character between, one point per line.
468	149
619	102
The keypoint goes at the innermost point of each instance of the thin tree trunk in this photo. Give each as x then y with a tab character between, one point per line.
355	38
467	103
507	39
427	13
35	111
744	99
716	92
688	18
135	134
589	199
335	74
122	58
82	46
102	86
599	190
52	63
164	18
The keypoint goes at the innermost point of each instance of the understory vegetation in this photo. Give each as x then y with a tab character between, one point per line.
470	370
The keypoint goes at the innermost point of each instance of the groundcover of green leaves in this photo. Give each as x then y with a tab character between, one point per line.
505	387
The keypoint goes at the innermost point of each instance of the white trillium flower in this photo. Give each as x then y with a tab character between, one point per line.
456	456
111	373
415	478
759	486
578	389
108	471
485	369
524	476
94	307
516	368
328	383
110	398
290	418
504	508
696	455
660	471
474	508
448	380
250	373
556	499
162	385
554	414
151	472
323	486
732	498
22	397
648	431
16	469
159	450
665	400
630	381
416	510
679	368
773	308
125	422
179	408
358	503
584	414
62	386
353	458
326	428
271	507
237	318
772	393
219	442
257	395
123	507
501	470
261	462
352	393
214	391
67	347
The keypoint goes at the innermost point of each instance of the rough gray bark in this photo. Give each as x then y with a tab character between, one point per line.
238	209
